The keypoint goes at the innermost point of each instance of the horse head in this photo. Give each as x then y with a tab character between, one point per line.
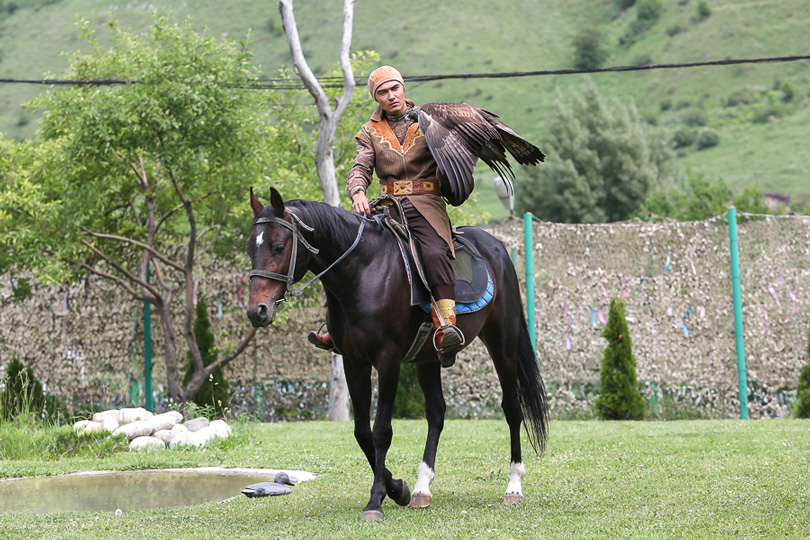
273	247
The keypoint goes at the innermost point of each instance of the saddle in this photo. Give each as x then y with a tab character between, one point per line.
473	287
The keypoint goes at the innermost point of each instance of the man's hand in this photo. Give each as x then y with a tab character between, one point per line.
360	203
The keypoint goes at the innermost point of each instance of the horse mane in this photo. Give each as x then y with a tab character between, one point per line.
331	222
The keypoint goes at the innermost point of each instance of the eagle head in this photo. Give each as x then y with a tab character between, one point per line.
413	113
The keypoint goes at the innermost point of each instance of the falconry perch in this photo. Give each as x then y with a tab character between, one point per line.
458	134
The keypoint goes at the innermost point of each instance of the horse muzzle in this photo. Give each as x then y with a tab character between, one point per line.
261	315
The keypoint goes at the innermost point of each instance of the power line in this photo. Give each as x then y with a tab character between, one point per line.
337	82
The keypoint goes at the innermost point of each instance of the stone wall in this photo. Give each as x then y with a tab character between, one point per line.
86	341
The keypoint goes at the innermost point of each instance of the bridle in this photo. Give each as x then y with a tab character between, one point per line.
289	278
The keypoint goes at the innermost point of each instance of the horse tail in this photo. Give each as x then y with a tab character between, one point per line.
532	390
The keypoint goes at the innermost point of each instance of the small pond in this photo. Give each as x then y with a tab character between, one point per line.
108	491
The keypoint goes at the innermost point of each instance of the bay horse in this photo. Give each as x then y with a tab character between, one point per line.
373	326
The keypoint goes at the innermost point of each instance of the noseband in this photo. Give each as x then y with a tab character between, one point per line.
288	279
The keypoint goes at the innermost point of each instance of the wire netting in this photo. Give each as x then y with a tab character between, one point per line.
85	341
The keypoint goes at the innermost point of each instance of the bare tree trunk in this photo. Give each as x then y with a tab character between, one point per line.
338	407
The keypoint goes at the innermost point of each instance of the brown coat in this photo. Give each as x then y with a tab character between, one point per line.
379	150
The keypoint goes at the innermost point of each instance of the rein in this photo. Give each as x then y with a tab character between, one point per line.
288	279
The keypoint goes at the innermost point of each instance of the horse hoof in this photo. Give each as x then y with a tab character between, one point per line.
405	498
420	500
371	515
512	498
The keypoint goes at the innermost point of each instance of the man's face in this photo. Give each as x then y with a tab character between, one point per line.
391	97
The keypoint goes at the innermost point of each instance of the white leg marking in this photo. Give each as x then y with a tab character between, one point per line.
260	239
425	476
516	473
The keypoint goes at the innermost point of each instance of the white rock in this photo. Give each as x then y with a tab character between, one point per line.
178	417
197	423
135	429
146	443
165	435
101	416
221	428
188	438
110	424
127	416
179	428
206	434
79	426
163	421
92	427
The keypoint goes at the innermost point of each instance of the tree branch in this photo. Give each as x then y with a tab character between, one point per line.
126	240
224	360
122	283
120	268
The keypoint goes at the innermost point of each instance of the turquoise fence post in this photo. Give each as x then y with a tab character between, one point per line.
529	249
738	319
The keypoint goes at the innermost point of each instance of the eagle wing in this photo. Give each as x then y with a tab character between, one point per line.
458	134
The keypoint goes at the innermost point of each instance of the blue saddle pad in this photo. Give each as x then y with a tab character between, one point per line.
474	286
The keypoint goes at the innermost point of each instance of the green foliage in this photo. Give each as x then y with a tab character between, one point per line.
707	138
213	392
704	11
802	408
21	289
603	161
114	159
21	439
684	136
23	397
409	401
619	395
701	197
589	49
693	116
647	14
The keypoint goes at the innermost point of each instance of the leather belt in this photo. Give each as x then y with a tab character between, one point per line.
419	186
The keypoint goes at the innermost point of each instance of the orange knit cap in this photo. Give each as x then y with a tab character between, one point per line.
382	75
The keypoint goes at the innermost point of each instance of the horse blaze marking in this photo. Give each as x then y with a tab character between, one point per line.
260	239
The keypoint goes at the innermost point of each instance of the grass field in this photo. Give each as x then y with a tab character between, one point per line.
702	479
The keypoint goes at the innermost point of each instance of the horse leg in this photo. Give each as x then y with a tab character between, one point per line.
503	350
381	435
429	376
360	391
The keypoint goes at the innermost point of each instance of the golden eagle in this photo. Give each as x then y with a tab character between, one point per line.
458	134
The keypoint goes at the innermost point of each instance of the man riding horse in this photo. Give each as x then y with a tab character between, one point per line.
392	144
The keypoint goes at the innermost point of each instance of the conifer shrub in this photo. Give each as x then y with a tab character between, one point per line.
802	409
214	392
23	395
619	395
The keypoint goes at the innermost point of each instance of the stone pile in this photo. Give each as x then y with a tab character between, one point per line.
147	431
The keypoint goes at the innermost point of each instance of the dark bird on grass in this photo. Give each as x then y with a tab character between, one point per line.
458	134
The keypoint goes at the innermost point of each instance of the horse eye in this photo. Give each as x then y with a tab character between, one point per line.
278	249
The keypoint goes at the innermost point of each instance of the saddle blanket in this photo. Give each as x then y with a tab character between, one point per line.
474	286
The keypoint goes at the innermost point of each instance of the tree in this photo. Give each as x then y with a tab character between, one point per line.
214	392
152	173
589	51
602	162
328	120
701	197
619	397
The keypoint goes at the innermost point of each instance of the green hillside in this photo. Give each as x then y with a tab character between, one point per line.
762	138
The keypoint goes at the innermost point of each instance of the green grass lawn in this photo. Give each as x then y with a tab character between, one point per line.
702	479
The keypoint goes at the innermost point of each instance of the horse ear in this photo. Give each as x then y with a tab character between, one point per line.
255	204
276	202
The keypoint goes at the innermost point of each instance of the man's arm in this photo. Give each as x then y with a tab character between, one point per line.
360	175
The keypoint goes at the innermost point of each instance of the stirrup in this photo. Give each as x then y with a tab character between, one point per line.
315	340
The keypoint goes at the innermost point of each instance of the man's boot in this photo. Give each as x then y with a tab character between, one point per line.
447	339
321	341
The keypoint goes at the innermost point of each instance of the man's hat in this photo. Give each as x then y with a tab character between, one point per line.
382	75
